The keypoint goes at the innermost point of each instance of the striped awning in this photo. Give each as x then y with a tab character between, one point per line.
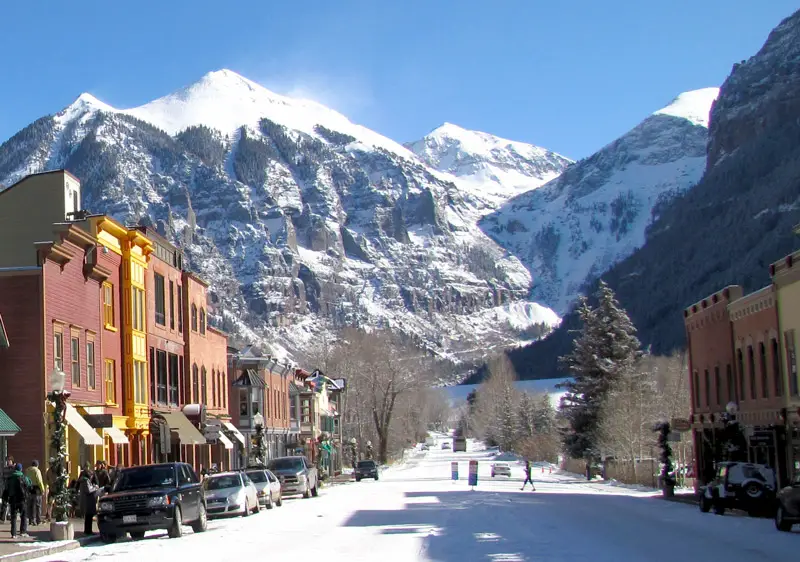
76	421
225	441
235	432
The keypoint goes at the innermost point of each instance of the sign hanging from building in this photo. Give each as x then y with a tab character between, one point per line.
680	424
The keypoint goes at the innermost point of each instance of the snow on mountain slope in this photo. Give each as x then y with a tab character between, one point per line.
489	169
596	213
298	218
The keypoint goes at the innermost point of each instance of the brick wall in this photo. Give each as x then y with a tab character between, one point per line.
22	375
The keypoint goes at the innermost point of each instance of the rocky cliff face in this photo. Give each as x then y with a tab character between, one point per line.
736	221
571	230
299	219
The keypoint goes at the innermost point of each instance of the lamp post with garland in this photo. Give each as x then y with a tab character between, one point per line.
258	451
61	528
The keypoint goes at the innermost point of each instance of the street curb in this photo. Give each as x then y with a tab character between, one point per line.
48	550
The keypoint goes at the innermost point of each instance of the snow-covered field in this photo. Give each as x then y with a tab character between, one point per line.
415	512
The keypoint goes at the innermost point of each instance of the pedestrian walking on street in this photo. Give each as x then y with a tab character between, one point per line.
36	492
88	492
528	476
4	476
16	496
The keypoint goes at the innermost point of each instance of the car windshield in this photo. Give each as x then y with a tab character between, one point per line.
366	464
145	477
286	464
501	465
222	482
257	476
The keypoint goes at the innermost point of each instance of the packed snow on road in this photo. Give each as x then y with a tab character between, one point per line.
416	512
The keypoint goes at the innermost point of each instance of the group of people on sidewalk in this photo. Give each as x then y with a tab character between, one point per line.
22	494
25	494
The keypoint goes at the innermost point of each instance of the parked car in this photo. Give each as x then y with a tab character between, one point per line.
446	445
297	475
268	487
501	469
739	485
153	497
366	469
787	512
231	493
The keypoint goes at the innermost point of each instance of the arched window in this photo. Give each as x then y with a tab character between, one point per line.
194	318
203	385
195	384
202	320
214	390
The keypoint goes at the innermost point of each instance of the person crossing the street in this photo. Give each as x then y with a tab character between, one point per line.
528	476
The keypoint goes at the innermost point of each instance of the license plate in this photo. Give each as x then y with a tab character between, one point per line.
129	519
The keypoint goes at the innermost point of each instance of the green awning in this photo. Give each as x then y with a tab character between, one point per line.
7	425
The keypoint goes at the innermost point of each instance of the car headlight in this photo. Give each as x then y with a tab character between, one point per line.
236	497
105	507
158	501
301	477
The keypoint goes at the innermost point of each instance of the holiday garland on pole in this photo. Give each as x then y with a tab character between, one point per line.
58	454
667	481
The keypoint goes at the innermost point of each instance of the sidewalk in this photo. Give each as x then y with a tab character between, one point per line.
39	543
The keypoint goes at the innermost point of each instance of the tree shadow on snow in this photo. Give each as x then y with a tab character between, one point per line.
501	526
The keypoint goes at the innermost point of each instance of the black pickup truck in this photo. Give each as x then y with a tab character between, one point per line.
153	497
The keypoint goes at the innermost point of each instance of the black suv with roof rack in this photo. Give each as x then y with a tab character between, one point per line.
153	497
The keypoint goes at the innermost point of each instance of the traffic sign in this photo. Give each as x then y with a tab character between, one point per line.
473	473
454	470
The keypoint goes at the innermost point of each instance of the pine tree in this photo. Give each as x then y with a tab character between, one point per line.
605	349
526	416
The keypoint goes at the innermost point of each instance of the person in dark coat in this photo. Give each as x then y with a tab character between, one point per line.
16	496
101	475
88	492
4	475
528	476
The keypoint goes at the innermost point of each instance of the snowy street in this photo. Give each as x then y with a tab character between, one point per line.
414	512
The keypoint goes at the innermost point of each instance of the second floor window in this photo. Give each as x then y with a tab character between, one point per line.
195	385
76	361
171	305
194	318
202	320
108	305
91	377
161	376
204	386
762	356
138	308
180	309
58	351
161	305
108	374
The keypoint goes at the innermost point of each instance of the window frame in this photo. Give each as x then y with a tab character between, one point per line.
109	380
171	304
58	350
762	360
195	384
180	308
202	321
159	292
194	317
91	373
776	367
75	360
162	377
203	385
108	306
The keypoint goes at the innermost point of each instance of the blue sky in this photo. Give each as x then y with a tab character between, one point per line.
570	76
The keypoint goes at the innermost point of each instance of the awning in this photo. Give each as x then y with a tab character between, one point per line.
188	434
90	436
7	426
116	435
250	379
225	441
236	433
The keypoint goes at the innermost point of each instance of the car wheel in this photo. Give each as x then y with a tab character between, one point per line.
257	508
780	521
137	535
279	501
108	538
269	502
176	530
705	504
246	512
201	524
754	491
358	479
315	490
307	492
376	478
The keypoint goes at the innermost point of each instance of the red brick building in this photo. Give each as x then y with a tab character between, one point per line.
760	390
53	310
205	367
711	372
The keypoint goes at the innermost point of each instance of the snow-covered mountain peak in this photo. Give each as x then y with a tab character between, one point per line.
84	104
694	105
489	169
225	101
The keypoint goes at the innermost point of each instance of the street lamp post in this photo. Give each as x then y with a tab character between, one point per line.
258	440
61	528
